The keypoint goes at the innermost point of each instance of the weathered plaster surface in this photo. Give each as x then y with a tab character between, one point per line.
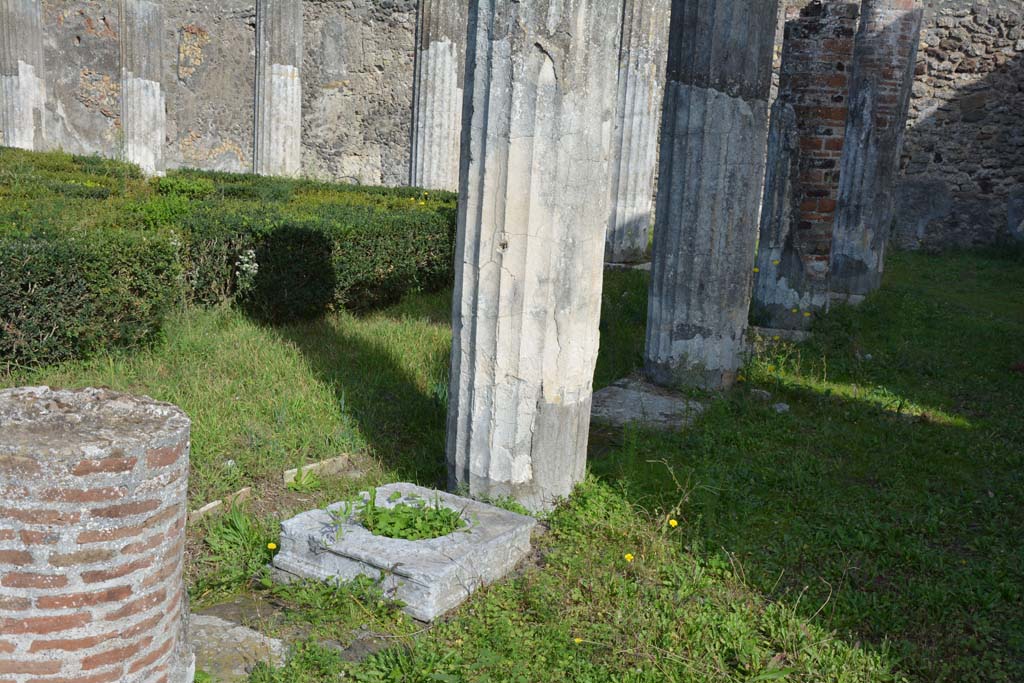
209	77
357	90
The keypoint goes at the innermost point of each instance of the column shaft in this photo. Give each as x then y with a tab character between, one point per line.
22	84
530	245
278	130
437	94
143	103
882	78
713	137
641	84
805	143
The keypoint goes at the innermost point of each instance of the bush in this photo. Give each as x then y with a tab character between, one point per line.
68	296
86	238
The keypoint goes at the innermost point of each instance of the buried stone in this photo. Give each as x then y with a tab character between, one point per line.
430	576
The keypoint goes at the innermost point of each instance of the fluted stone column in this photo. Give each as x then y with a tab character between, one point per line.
143	106
805	143
881	82
530	246
713	139
437	99
22	84
278	130
637	120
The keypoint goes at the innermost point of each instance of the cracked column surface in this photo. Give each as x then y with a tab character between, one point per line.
881	80
143	105
437	102
805	143
713	140
537	132
278	130
22	84
637	119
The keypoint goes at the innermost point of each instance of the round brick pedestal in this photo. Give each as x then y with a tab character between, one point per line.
92	524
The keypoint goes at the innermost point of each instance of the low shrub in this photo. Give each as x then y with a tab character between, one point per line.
67	296
283	249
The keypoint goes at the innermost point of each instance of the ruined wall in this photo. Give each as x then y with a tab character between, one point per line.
963	158
210	71
357	81
82	54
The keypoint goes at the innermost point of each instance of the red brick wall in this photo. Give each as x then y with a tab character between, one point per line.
816	56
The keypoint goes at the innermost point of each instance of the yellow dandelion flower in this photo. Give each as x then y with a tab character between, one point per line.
807	314
577	640
271	546
776	338
628	557
673	523
775	262
757	270
771	368
796	310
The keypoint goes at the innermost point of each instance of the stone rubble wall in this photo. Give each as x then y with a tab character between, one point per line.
357	80
963	156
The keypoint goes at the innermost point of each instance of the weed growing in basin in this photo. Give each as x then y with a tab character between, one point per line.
415	520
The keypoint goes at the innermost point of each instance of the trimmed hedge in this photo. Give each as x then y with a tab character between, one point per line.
64	297
92	255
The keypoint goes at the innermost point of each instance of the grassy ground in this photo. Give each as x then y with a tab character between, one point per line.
874	532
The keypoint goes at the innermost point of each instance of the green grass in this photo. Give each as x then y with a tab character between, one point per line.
875	532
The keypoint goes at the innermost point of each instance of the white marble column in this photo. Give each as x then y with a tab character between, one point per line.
884	59
641	82
143	103
437	94
278	130
713	142
22	84
530	246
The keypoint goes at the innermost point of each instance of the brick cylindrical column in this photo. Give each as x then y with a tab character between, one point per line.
92	528
805	143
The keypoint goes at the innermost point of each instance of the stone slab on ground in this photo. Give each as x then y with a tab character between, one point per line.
430	576
228	651
633	400
645	266
334	467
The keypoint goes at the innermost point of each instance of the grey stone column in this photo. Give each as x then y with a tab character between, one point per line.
22	84
143	104
713	141
881	80
278	130
437	94
530	245
637	119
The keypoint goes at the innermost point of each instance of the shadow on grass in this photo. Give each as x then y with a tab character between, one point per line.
881	526
403	424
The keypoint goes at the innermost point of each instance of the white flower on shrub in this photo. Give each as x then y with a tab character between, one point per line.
246	269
